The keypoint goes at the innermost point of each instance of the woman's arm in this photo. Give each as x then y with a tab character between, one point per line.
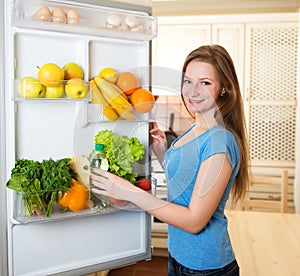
159	142
211	182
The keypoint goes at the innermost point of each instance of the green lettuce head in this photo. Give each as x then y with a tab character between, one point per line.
121	153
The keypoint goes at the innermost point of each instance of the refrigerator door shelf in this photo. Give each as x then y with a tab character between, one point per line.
27	89
95	115
21	216
90	113
87	20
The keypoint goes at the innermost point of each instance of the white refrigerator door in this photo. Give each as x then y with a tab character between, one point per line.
40	129
3	214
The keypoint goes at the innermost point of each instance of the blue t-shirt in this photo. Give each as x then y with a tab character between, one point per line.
211	248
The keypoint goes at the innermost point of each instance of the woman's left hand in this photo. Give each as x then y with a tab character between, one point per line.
111	185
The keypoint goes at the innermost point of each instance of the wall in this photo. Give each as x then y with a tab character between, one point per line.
205	7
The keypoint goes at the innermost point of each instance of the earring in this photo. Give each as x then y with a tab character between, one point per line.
223	92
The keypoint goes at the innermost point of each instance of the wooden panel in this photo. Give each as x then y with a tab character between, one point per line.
258	198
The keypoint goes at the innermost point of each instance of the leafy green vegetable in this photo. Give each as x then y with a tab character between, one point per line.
56	177
121	153
25	178
41	184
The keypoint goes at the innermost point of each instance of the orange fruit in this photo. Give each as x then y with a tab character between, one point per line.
128	82
142	100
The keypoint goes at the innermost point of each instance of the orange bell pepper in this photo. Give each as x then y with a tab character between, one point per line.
75	199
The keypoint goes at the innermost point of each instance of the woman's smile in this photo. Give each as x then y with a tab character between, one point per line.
195	101
201	86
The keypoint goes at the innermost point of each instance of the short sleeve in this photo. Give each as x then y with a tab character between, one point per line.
221	141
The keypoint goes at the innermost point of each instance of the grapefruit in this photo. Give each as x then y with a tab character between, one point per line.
128	82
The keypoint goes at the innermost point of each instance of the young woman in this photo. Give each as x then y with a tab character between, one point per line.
202	166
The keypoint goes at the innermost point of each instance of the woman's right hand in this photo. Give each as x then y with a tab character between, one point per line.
159	141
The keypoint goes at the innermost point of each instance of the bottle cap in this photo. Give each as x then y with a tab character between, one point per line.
99	147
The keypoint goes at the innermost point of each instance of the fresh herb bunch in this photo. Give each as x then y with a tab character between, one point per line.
42	183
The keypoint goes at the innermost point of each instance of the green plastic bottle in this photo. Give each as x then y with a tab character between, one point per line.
98	160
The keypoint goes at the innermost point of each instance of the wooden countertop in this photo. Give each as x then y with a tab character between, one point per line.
265	243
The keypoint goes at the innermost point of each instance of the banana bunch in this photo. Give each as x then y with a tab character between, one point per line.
114	101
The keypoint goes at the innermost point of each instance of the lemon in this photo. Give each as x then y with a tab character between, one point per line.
109	74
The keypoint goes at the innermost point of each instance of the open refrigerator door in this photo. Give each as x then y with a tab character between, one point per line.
3	214
51	120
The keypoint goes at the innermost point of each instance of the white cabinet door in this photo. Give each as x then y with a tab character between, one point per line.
231	37
175	42
170	49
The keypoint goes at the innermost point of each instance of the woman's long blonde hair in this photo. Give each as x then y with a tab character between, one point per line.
230	106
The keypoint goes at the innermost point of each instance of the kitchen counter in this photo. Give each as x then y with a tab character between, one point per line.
264	243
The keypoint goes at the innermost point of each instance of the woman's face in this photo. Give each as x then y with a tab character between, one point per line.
201	86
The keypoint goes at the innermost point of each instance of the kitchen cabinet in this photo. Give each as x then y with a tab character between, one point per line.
231	36
264	50
271	92
271	96
176	41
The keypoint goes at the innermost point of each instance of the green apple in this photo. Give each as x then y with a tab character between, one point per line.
73	70
55	91
76	88
30	87
51	74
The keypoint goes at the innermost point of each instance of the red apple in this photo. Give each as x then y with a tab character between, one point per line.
144	183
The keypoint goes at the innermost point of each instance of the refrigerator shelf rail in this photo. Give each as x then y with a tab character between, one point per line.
92	20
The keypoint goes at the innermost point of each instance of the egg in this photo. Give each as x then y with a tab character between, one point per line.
123	27
113	20
131	21
58	15
73	17
43	14
102	25
138	28
148	31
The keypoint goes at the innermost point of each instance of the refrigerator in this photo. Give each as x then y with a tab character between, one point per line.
70	243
